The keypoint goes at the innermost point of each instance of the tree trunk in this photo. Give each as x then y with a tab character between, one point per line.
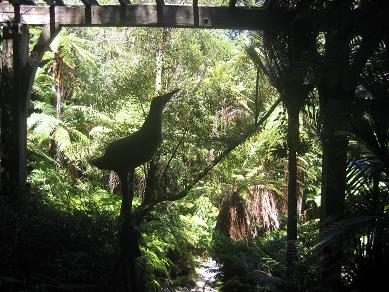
333	106
159	60
378	235
293	141
59	93
58	86
332	194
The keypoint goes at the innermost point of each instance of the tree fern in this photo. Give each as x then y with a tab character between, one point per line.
62	138
89	114
43	107
71	49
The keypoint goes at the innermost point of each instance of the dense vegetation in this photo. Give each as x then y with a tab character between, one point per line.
248	119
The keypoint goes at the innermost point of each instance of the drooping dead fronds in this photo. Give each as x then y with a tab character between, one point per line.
241	219
233	219
263	210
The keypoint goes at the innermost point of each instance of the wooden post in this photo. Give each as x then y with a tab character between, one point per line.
14	109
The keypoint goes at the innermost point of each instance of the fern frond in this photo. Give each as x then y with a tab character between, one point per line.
62	138
99	131
42	124
90	114
44	107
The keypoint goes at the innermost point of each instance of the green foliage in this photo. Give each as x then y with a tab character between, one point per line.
47	247
250	266
260	264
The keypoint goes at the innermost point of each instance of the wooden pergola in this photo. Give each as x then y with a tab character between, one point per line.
19	63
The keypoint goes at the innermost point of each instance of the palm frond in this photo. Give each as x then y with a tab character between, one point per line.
345	228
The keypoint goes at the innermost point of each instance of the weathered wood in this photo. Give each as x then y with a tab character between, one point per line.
23	2
150	16
14	110
196	20
49	32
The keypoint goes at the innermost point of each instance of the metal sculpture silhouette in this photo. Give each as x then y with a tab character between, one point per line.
123	156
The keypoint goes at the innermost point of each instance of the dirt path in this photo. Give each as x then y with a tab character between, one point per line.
206	272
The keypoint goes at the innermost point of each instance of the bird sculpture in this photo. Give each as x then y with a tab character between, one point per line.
123	156
129	152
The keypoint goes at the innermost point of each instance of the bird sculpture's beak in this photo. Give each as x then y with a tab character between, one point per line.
168	96
162	100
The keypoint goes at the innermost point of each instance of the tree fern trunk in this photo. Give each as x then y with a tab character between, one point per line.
333	96
293	141
332	203
159	60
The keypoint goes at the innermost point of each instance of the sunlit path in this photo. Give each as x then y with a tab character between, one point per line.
206	272
206	277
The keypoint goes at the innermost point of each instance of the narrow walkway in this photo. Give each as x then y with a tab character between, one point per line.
206	276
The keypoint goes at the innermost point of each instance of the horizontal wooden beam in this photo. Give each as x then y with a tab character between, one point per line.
149	16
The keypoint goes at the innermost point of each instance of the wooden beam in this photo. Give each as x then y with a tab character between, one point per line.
196	20
151	16
23	2
14	110
48	34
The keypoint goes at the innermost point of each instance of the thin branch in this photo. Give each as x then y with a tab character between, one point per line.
173	155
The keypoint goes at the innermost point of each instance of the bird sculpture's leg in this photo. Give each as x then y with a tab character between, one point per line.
121	269
128	239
